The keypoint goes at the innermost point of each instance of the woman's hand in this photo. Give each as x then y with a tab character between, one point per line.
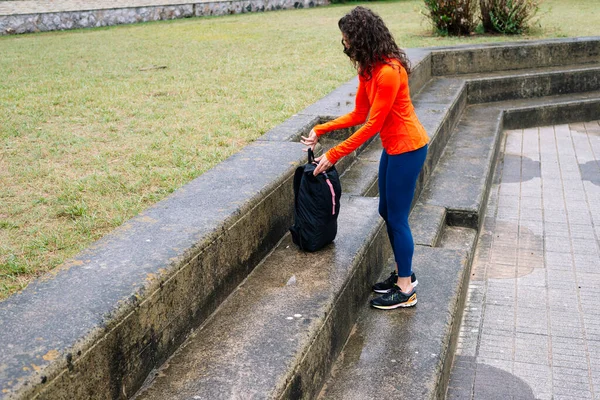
324	165
311	140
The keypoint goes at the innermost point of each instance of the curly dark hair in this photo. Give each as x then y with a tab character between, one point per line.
370	41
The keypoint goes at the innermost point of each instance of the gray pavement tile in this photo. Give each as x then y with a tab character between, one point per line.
574	360
508	201
572	392
564	321
556	229
533	189
585	246
570	253
462	378
557	216
559	279
563	371
567	332
526	263
540	387
509	189
534	215
557	244
582	231
532	370
530	203
569	347
571	381
537	357
496	355
575	193
534	280
588	261
583	218
498	335
501	298
531	295
576	205
504	365
573	364
537	329
553	204
458	394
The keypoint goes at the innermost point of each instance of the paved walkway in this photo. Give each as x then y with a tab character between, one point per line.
531	328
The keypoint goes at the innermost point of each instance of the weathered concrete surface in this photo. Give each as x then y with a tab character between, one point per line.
536	83
403	354
427	224
439	107
361	178
515	55
119	308
464	169
575	110
292	128
286	323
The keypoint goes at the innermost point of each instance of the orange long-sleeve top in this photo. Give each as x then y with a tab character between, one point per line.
385	100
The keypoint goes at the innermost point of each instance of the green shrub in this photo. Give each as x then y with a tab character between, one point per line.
509	17
452	17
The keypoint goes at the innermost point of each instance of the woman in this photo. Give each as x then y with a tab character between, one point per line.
382	96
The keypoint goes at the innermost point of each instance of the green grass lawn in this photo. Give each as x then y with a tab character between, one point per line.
90	134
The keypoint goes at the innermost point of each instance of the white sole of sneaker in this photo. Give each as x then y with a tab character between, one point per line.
401	305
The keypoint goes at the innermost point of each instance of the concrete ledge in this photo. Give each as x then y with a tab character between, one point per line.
361	178
427	224
515	55
464	170
125	304
534	84
552	114
308	299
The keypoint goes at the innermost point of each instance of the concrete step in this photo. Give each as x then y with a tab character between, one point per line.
465	169
407	354
457	60
361	178
539	82
278	333
360	170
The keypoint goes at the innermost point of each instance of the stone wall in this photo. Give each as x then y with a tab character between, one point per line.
51	21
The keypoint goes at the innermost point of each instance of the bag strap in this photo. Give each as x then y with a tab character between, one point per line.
311	156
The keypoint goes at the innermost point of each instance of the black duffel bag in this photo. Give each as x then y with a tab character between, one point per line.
317	205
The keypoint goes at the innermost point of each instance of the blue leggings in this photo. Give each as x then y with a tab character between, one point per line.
398	176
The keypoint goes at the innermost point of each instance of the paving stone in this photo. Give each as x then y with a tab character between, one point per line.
570	393
458	394
570	254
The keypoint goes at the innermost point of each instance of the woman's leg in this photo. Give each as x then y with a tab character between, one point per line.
383	167
401	179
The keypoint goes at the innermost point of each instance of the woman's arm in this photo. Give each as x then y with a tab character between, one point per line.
356	117
388	84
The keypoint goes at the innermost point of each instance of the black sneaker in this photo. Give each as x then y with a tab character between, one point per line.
387	285
395	299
